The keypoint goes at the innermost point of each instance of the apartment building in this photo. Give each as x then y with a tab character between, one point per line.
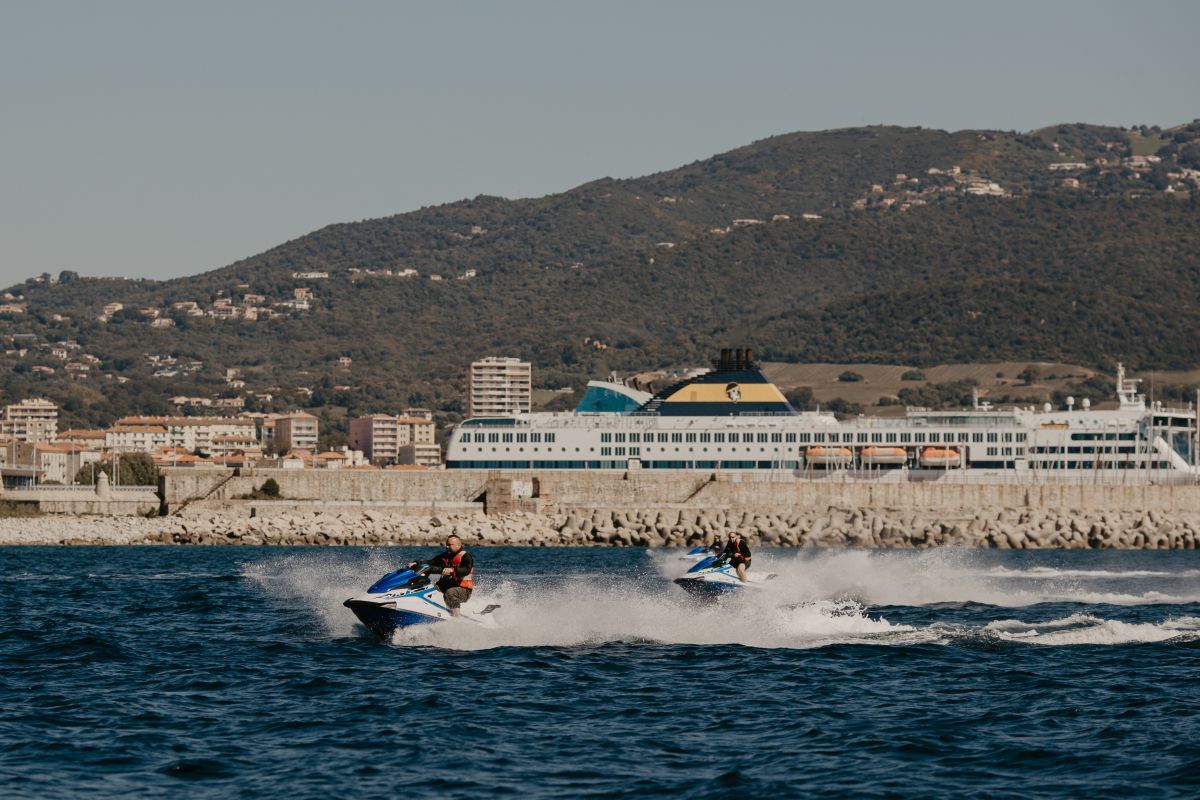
382	436
192	434
34	419
498	387
295	431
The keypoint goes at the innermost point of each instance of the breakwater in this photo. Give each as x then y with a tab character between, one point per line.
282	523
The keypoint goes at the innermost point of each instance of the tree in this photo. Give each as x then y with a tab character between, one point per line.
913	375
801	398
137	469
850	377
1029	375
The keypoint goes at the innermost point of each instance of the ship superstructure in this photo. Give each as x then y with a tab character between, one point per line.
734	418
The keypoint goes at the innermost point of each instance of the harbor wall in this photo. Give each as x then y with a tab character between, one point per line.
507	491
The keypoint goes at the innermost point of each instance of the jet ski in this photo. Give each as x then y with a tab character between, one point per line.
406	597
697	553
713	577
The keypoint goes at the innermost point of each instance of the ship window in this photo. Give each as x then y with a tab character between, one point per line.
934	436
805	438
918	437
818	438
991	437
1021	437
789	437
1008	451
962	437
906	437
762	437
619	437
876	437
776	437
620	451
991	451
606	451
508	437
691	437
706	437
976	437
549	438
662	437
522	437
606	437
891	437
718	437
493	437
676	437
862	438
635	451
1008	437
635	438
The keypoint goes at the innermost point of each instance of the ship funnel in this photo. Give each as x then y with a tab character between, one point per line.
749	358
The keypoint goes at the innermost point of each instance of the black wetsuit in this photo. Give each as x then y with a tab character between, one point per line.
737	553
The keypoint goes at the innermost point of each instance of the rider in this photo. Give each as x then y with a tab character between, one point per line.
458	573
737	553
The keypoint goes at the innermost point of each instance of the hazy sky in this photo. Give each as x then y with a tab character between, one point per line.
161	138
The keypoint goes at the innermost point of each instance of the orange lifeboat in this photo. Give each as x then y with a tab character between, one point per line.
875	456
836	456
940	458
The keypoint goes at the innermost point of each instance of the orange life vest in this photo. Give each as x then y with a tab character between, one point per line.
467	582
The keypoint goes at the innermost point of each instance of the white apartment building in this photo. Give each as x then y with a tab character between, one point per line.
188	433
498	387
34	419
381	436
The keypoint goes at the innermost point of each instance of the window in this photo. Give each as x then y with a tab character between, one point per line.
918	437
905	438
804	438
605	437
891	437
662	438
790	438
619	437
991	437
691	437
876	438
522	437
620	451
935	437
762	438
606	451
1008	437
747	437
777	437
976	437
706	437
718	437
549	437
634	438
508	437
535	437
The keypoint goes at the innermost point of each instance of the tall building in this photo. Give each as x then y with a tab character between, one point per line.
497	387
31	420
381	437
295	431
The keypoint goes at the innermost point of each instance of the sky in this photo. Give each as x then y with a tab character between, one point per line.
161	139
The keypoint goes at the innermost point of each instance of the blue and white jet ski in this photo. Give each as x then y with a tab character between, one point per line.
697	553
712	577
406	597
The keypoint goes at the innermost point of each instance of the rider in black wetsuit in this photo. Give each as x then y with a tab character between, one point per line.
737	553
457	567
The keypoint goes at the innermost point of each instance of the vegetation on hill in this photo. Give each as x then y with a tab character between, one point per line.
874	244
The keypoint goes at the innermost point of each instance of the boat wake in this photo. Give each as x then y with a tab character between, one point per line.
818	600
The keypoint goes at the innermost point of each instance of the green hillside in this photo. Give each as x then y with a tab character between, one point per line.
918	247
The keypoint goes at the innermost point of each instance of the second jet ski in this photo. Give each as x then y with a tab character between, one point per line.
713	577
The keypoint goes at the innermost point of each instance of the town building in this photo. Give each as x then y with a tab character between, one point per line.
382	436
34	419
295	431
498	387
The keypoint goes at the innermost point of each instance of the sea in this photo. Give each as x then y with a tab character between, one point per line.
236	672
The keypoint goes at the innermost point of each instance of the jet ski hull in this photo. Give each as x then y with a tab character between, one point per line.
383	620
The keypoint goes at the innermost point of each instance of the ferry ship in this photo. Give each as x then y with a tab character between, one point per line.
733	418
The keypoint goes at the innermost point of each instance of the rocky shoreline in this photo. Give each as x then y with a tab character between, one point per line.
997	528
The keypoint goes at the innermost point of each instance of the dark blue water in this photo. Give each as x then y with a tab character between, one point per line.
236	673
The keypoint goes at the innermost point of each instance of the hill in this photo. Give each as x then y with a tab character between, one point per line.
1074	243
